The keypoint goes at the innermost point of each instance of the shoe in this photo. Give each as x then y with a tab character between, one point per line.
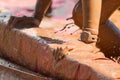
87	37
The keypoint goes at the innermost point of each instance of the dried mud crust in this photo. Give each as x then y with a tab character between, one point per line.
109	51
68	46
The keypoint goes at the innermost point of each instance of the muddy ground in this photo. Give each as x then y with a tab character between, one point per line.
68	39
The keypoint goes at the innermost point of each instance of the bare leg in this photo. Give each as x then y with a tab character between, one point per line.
77	15
91	19
49	11
108	33
108	7
41	8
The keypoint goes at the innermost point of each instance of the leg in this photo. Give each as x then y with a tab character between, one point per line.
41	8
108	7
49	11
77	15
108	32
91	19
28	22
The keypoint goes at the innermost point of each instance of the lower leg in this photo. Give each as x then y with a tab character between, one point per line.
28	22
49	11
41	8
91	19
108	7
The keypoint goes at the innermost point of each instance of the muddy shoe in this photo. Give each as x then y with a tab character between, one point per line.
87	37
22	22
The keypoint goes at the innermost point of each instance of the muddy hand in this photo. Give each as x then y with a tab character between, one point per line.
22	22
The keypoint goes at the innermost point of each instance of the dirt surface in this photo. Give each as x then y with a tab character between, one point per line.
57	53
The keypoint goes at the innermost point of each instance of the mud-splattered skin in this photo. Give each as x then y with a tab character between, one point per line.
77	14
34	21
41	8
109	34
